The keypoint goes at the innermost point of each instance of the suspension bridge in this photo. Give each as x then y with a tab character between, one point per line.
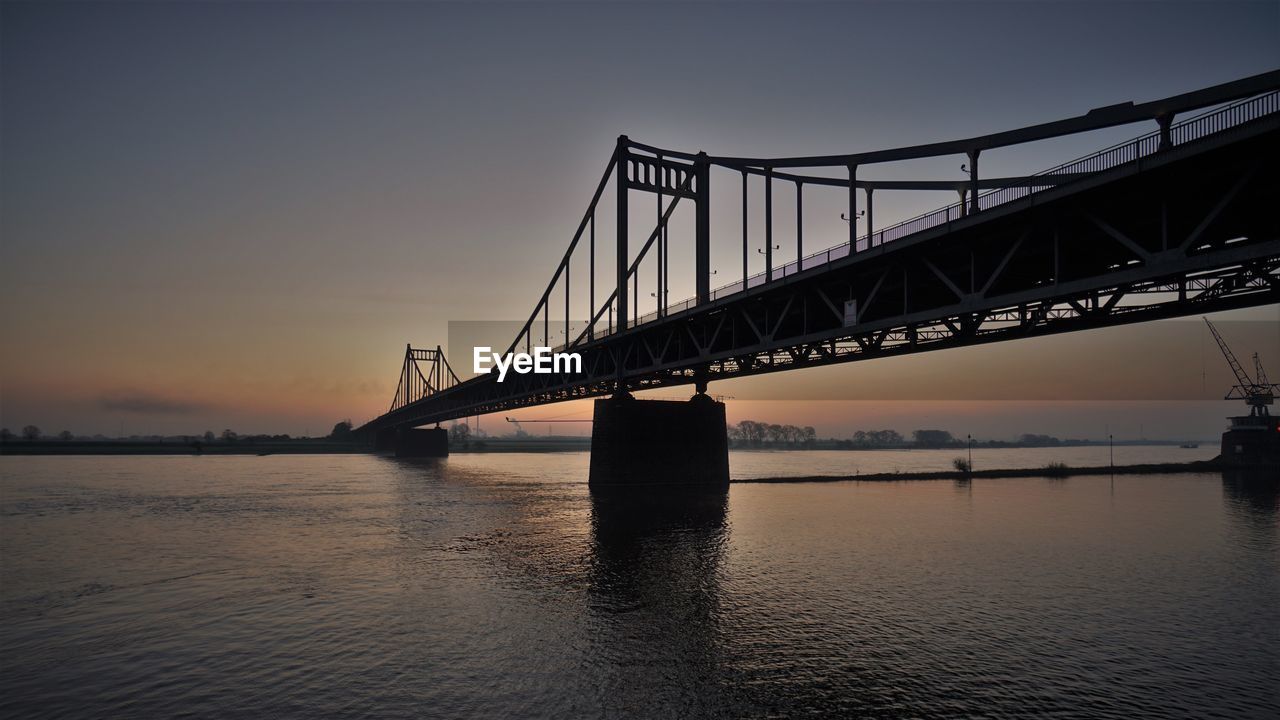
1178	221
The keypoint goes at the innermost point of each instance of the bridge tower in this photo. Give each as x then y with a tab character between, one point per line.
423	373
661	442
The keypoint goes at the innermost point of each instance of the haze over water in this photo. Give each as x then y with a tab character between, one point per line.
497	585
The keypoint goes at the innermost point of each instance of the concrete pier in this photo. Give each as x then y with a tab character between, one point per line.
432	442
659	442
384	440
1252	440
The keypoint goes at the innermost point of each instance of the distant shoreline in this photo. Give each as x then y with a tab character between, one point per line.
131	447
268	447
539	444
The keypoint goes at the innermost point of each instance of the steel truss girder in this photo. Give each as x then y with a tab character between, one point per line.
1027	320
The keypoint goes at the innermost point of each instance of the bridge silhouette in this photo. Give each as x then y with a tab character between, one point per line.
1181	220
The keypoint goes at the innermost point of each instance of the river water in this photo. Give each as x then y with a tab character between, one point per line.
498	586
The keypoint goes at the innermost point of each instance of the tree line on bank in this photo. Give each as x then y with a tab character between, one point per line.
342	432
751	433
746	434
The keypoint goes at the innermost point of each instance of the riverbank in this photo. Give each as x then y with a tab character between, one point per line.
1055	472
889	466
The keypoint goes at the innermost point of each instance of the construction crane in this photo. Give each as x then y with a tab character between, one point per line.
1257	392
520	430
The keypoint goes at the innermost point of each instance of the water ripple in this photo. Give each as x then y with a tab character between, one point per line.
487	586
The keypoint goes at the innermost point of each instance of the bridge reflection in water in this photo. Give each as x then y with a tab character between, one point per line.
654	591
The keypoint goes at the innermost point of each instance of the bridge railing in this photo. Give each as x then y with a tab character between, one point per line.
1192	129
1205	125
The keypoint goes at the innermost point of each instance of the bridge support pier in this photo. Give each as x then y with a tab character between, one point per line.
659	442
384	440
417	442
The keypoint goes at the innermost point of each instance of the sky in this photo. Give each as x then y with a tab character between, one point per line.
235	215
